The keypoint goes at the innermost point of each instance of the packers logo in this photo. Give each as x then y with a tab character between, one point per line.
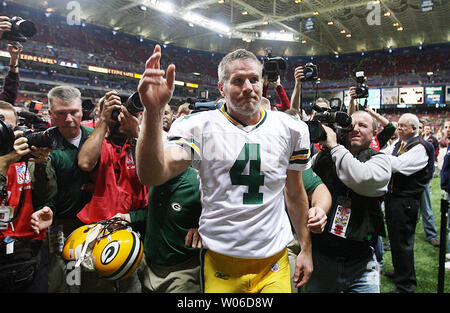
176	206
110	252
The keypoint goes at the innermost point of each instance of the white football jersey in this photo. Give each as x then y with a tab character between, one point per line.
242	174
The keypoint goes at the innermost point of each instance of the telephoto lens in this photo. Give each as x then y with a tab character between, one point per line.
6	138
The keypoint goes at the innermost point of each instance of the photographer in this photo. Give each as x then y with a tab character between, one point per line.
281	93
108	155
382	137
357	178
11	83
23	258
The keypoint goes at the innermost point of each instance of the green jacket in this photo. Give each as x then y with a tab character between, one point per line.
173	209
63	168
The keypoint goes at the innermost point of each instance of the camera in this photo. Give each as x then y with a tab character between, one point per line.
31	120
88	109
20	31
311	72
272	67
362	91
339	121
132	103
49	138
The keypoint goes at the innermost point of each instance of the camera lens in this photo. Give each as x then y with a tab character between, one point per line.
115	114
6	138
48	138
134	104
26	28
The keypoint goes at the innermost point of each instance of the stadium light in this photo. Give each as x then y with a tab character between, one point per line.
277	36
162	6
194	18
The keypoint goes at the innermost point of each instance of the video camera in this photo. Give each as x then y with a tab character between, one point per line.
339	121
49	138
132	103
20	31
311	72
205	106
362	91
272	67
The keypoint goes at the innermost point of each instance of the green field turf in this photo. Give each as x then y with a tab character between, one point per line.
426	256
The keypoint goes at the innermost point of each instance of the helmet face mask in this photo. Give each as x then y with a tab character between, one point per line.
109	247
74	243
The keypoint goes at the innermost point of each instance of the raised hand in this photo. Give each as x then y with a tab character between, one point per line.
5	25
155	91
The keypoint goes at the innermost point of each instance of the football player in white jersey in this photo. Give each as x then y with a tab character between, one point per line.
247	160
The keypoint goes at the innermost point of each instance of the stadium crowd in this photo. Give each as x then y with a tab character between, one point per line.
247	195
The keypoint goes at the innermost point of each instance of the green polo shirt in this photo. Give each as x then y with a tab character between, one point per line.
173	209
70	199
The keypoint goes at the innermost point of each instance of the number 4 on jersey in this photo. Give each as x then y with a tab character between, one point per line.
250	152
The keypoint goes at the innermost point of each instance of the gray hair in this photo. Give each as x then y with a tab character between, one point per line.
65	93
240	54
413	121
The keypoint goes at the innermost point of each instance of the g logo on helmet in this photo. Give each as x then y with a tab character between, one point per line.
117	255
110	252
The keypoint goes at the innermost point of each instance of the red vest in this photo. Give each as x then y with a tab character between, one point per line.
18	180
117	186
375	145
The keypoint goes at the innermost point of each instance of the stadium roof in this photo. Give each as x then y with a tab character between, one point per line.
300	27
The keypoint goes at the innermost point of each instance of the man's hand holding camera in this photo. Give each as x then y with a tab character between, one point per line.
352	93
129	124
40	155
112	102
331	140
21	149
299	75
5	25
